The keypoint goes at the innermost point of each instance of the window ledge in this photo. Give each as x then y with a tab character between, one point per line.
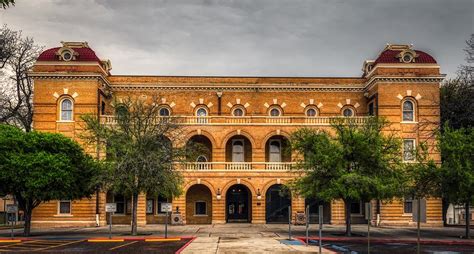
66	215
65	121
406	122
407	215
201	215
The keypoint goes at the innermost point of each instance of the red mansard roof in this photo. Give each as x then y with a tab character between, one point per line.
390	56
85	55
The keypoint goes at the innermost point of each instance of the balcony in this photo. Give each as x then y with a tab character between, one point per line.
235	166
244	120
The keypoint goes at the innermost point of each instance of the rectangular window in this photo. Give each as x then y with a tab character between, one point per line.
149	206
120	200
161	200
200	208
408	205
371	109
408	149
65	207
356	208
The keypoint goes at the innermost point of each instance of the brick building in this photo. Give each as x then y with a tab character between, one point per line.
245	123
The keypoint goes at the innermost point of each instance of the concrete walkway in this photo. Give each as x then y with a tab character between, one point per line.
249	238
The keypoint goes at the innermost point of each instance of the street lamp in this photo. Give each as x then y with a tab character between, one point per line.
218	196
259	195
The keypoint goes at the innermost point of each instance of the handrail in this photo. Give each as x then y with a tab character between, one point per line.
245	120
234	166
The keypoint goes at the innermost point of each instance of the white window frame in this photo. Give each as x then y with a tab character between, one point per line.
205	205
152	206
348	108
61	110
404	201
236	108
276	108
413	151
270	150
313	108
59	207
164	107
413	111
243	149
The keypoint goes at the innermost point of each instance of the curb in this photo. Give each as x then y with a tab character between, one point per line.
185	245
10	241
385	240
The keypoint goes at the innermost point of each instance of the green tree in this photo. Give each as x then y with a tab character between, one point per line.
139	150
457	172
38	167
6	3
356	162
422	180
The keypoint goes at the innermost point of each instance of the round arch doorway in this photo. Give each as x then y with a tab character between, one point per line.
277	201
238	204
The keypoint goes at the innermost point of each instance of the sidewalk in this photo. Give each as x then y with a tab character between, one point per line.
260	238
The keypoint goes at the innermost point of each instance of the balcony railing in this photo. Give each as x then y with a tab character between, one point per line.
235	166
245	120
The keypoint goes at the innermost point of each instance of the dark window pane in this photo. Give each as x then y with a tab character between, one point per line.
65	207
201	208
355	207
408	206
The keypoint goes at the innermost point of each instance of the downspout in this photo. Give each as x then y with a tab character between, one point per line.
97	194
219	103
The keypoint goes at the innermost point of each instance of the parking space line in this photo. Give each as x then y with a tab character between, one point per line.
162	239
59	245
123	245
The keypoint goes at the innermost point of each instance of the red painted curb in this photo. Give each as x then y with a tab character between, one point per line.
185	245
384	240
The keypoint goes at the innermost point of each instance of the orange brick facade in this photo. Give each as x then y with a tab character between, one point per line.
223	190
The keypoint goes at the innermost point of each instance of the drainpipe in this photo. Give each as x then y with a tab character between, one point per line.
219	102
97	202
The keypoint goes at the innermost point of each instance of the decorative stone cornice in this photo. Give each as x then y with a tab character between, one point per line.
174	87
395	79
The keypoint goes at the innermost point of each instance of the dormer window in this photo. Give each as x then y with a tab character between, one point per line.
66	55
407	56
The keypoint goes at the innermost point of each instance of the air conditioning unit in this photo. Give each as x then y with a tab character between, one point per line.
176	219
300	218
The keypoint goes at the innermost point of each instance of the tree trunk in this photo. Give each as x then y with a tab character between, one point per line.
347	206
468	220
134	213
28	210
418	225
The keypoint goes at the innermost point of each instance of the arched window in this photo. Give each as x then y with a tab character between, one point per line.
66	110
201	158
275	111
408	111
164	111
238	112
311	112
348	112
201	112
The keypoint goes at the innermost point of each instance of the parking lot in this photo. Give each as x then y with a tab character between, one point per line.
98	246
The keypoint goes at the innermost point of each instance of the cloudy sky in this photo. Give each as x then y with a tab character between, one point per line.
247	37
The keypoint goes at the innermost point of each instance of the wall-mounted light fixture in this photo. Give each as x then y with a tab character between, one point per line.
218	196
259	195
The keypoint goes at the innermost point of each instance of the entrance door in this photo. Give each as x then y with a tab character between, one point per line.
238	204
276	205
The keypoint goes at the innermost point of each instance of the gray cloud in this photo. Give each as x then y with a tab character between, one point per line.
252	38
